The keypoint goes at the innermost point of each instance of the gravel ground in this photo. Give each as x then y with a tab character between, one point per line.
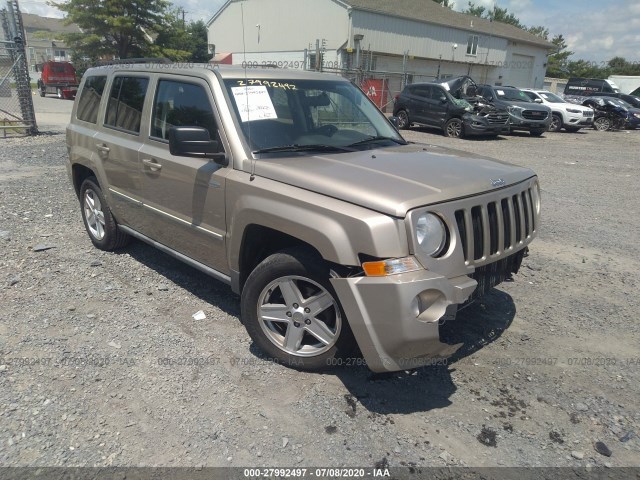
101	362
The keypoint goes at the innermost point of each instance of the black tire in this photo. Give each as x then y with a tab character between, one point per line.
572	129
537	132
112	237
310	275
454	128
556	123
42	92
403	120
602	124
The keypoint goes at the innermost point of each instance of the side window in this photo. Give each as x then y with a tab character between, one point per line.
180	104
422	91
438	94
531	95
90	97
124	110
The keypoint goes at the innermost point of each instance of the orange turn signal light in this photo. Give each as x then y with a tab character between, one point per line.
394	266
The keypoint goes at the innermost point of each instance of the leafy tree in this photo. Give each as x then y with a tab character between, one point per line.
113	27
476	10
540	31
445	3
558	61
182	43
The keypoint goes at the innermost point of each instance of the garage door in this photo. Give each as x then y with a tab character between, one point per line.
521	71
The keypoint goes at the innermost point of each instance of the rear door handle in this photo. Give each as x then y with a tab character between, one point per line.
102	148
152	164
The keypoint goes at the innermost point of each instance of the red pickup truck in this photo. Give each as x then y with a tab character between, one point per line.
58	78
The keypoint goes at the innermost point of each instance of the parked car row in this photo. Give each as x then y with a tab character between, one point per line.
460	107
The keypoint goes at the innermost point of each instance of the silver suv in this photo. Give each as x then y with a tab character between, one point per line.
297	191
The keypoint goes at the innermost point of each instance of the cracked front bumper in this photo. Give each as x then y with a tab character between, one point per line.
395	319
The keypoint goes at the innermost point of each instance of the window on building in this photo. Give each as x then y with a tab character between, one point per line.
124	110
180	104
60	53
90	97
472	45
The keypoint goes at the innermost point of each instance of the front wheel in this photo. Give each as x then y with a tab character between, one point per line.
98	219
556	123
292	313
454	128
602	124
403	120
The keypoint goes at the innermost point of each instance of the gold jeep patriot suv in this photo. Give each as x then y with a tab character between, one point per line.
293	188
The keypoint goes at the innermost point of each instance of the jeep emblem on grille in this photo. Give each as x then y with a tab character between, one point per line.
499	182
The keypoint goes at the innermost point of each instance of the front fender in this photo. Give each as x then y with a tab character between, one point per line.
338	230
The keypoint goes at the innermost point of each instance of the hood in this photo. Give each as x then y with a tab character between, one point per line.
393	180
525	105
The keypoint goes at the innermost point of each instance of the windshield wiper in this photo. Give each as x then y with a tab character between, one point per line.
304	148
377	139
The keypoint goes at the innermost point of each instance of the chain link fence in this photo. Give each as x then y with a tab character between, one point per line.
17	116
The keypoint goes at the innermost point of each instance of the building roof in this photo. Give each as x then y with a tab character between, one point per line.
37	23
432	12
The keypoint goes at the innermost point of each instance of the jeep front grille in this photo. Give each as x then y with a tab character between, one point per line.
495	228
535	115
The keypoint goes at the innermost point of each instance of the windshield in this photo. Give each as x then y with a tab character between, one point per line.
618	102
512	94
551	97
307	115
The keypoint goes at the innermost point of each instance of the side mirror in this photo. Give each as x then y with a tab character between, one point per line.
195	142
538	100
394	121
443	101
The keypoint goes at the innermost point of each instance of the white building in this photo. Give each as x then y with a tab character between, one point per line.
403	41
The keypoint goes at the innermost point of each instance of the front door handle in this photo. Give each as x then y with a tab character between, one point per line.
152	164
102	148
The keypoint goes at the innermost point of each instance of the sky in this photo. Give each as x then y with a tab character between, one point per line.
595	30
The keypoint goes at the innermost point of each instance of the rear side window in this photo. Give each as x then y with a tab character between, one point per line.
90	97
180	104
124	110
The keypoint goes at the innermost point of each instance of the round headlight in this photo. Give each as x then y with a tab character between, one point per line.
431	234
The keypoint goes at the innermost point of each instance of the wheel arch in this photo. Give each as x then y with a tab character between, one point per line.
79	174
259	242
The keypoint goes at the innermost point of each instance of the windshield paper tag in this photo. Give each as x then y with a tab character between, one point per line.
500	92
254	103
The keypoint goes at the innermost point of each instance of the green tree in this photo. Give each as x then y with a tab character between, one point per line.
180	42
124	28
445	3
476	10
558	61
540	31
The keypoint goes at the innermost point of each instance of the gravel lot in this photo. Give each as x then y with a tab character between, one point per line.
101	362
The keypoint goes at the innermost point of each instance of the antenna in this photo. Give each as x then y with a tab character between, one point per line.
246	92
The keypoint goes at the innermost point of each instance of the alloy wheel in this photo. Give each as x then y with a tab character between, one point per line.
94	214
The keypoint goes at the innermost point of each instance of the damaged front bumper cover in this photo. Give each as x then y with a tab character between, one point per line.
395	319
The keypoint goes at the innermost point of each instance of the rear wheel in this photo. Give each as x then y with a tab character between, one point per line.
454	128
602	124
403	120
98	219
292	313
556	123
